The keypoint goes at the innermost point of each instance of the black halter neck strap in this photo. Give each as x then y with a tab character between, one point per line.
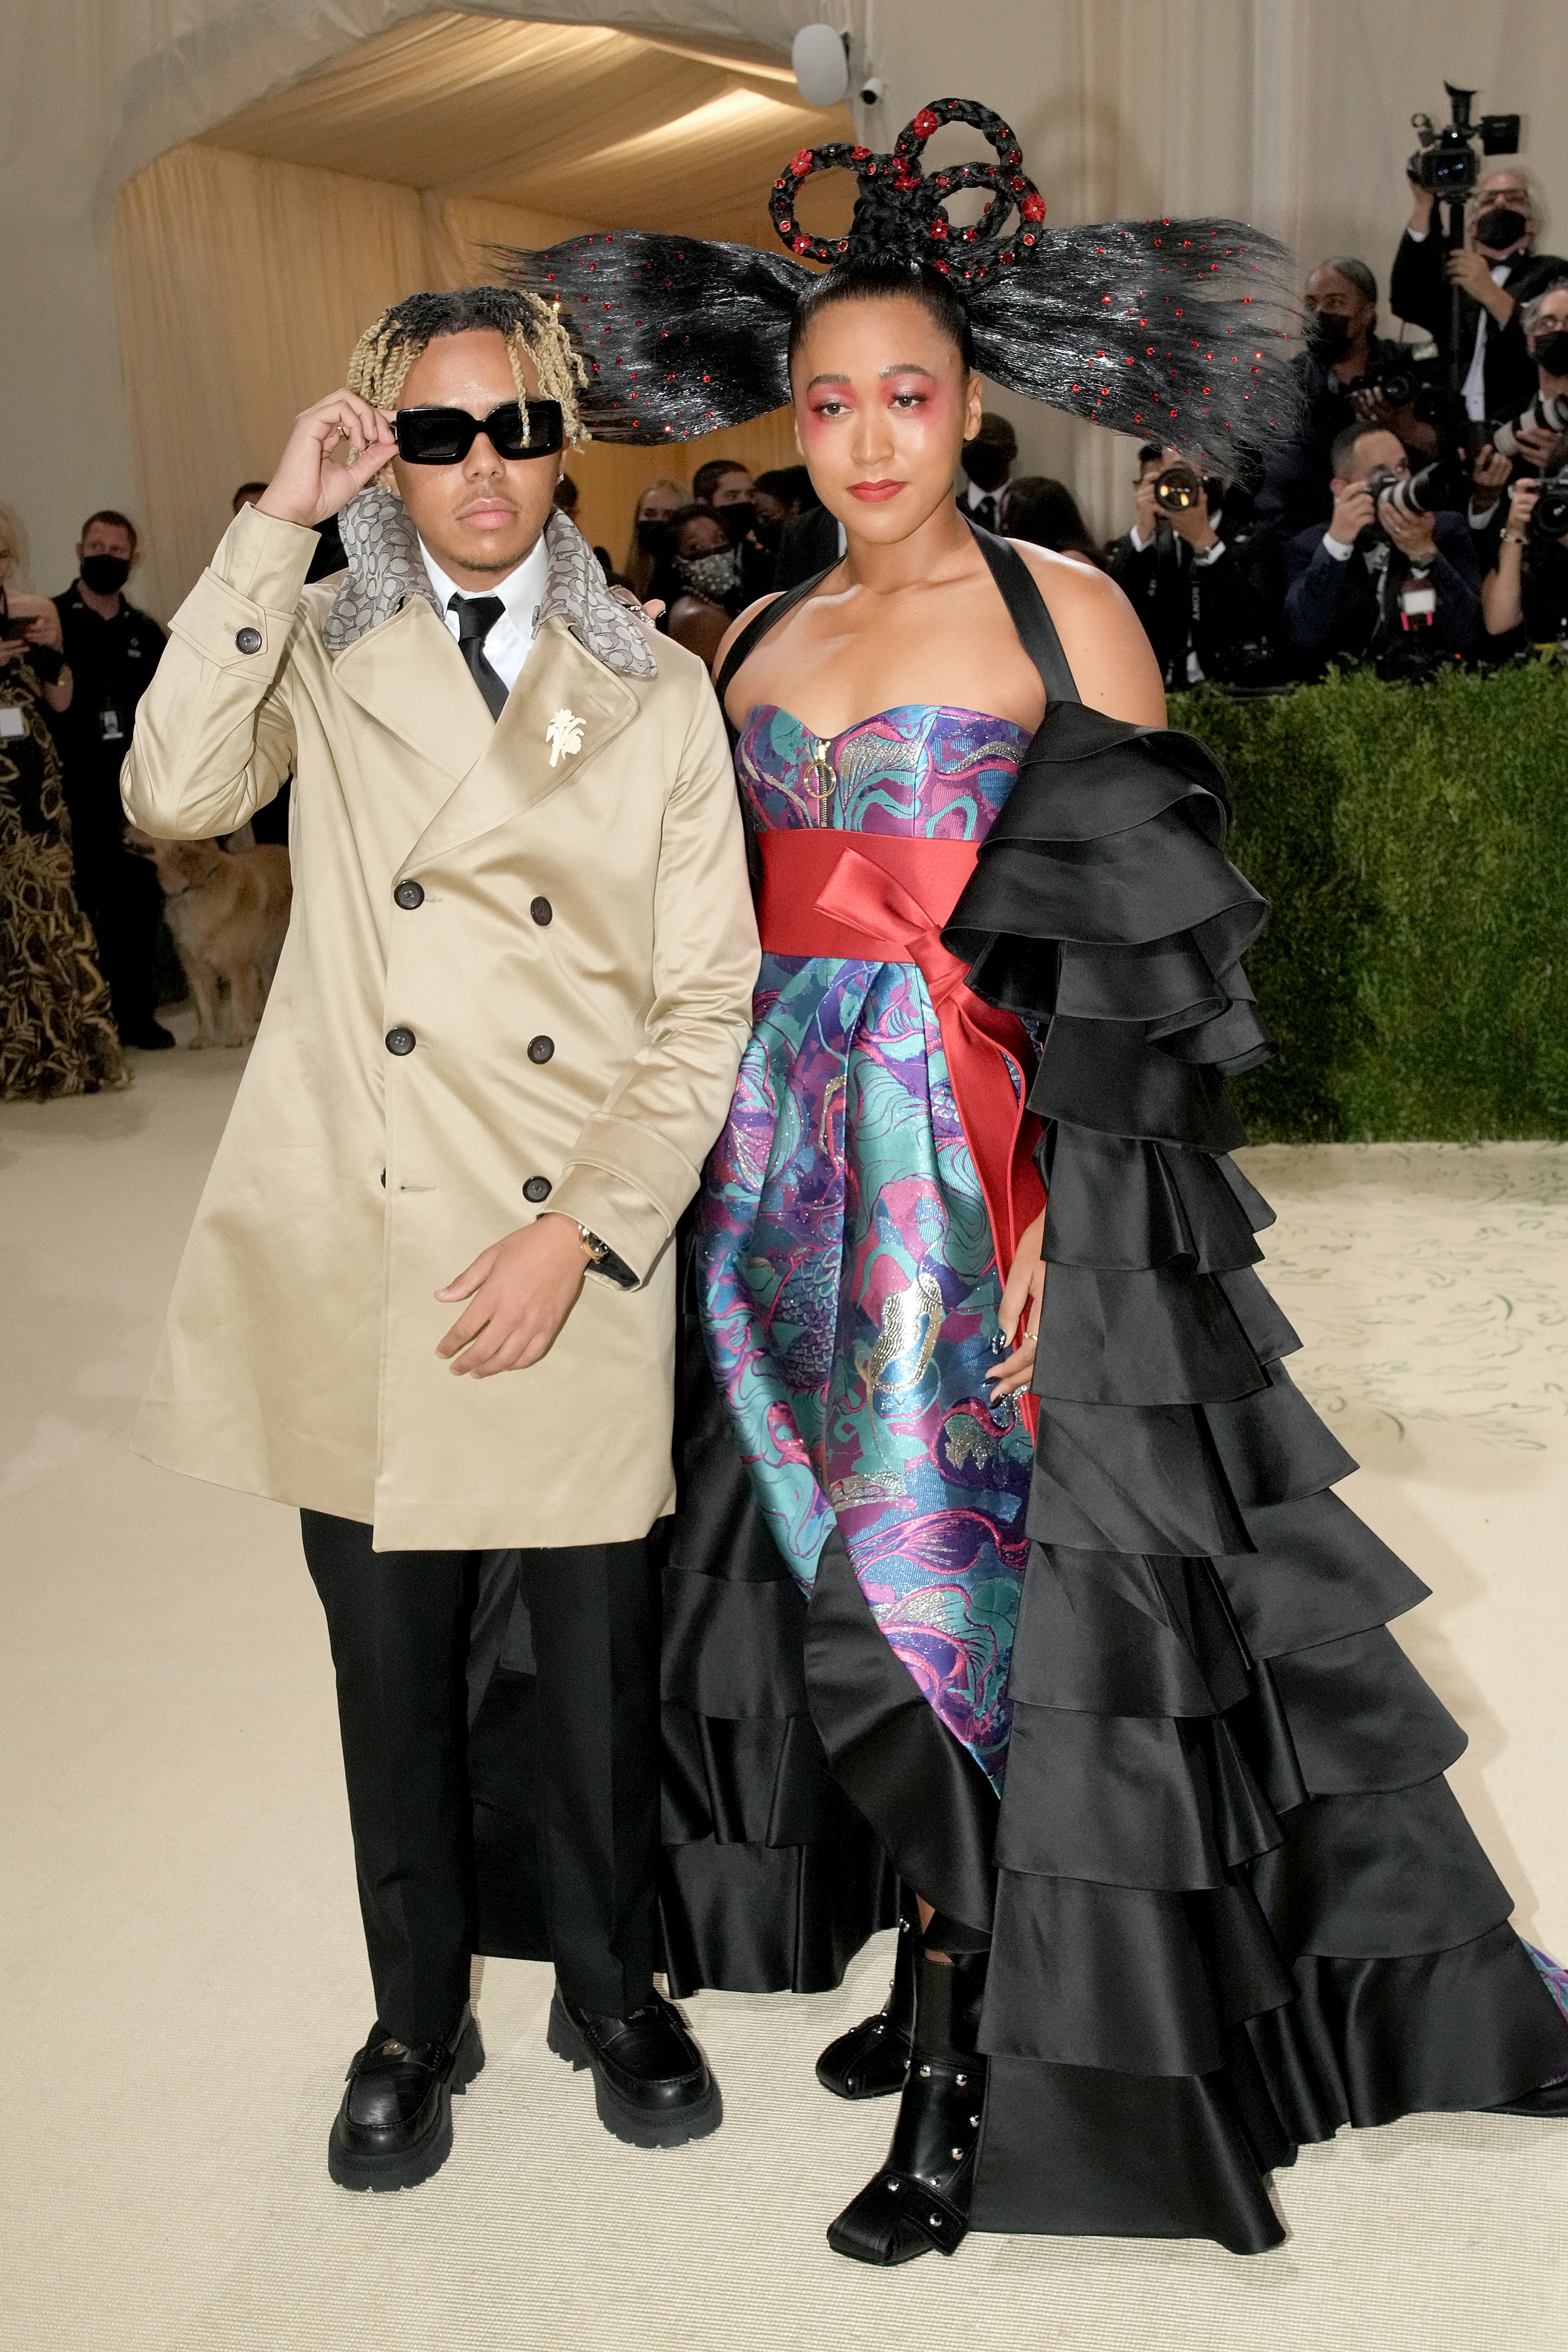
1019	592
1030	613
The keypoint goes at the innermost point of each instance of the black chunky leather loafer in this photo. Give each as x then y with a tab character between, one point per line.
651	2083
394	2129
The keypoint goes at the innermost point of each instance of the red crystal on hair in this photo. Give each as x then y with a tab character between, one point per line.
905	180
1033	208
803	244
925	123
803	161
937	228
858	154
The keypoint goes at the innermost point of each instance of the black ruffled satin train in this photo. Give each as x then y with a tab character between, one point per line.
1237	1904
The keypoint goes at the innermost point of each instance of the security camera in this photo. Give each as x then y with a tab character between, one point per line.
872	91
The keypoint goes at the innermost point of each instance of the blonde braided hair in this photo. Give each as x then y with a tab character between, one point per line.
529	326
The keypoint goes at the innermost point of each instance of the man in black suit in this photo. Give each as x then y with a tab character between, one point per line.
1498	270
810	543
1338	371
1206	580
113	648
1400	591
987	461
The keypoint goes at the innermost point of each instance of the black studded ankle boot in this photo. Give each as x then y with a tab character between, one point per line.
870	2061
921	2197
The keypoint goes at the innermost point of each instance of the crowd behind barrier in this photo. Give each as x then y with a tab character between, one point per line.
1412	523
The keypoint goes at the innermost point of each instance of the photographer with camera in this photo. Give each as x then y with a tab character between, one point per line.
1203	575
1391	581
1536	440
1524	599
1498	271
1349	374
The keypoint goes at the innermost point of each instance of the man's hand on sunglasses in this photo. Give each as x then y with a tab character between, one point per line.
335	448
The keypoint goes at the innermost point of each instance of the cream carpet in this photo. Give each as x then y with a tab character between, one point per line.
184	1976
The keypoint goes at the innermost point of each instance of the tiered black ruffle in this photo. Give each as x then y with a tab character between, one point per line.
1237	1904
771	1879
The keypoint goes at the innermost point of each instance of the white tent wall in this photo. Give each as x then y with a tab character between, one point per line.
1293	112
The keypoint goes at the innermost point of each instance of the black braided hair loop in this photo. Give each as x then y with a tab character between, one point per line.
899	214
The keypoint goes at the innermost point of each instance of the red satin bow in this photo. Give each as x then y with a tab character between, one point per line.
878	908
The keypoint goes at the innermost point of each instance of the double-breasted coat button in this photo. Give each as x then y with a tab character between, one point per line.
540	1049
537	1189
400	1040
408	896
248	641
542	910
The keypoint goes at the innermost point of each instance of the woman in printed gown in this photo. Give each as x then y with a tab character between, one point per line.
1082	1631
57	1031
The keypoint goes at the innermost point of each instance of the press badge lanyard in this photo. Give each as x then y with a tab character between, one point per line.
1417	601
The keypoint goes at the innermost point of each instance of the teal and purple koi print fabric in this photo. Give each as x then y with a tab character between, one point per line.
849	1283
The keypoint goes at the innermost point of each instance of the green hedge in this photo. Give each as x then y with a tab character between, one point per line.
1414	843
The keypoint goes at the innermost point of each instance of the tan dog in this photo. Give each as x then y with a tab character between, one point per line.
228	910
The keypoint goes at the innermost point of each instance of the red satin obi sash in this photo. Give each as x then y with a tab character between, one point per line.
883	897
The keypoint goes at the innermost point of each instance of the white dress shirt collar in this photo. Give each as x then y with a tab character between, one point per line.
521	593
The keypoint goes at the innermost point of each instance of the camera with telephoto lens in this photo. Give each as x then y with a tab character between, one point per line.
1446	162
1550	519
1441	484
1181	488
1542	415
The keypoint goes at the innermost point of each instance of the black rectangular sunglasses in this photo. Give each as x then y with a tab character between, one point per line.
443	436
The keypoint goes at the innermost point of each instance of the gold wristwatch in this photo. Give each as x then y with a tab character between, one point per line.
594	1249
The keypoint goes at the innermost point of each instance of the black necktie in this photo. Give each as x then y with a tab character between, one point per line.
985	513
477	616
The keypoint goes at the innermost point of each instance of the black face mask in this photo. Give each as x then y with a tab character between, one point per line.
650	534
104	574
1328	337
737	518
1551	351
1501	227
986	465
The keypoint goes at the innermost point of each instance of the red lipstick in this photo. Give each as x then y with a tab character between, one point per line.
874	492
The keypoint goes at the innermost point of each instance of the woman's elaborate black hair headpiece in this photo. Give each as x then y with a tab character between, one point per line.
1173	329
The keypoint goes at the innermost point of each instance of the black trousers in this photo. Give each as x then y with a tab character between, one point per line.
500	1715
119	895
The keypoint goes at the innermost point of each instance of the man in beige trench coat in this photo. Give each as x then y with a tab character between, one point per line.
430	1294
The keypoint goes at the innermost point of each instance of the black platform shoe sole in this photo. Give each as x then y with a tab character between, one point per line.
363	2169
620	2119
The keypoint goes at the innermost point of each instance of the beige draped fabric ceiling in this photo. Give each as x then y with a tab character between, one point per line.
250	261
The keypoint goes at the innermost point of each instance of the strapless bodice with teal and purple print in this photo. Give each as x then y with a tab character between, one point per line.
849	1279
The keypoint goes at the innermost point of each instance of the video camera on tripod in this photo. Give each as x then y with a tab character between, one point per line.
1447	164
